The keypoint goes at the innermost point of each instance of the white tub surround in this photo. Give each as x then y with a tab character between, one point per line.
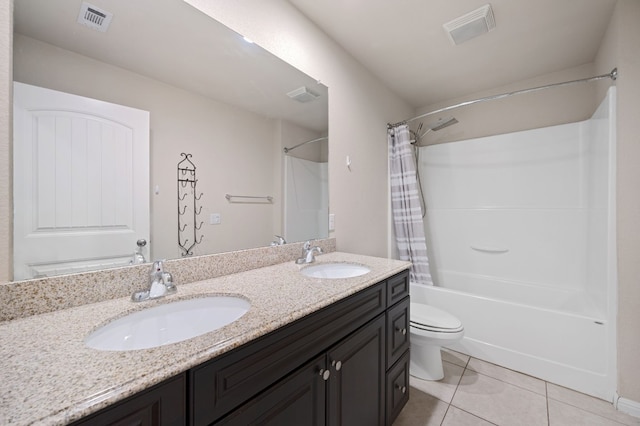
521	231
50	377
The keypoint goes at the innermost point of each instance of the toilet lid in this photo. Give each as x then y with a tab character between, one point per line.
429	317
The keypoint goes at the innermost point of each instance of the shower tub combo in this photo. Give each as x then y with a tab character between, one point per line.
521	234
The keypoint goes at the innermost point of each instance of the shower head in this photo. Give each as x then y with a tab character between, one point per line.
440	124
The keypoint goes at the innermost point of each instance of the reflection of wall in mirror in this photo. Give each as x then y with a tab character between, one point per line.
306	195
234	148
306	199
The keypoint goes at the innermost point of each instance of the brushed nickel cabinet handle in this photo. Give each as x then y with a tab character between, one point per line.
324	374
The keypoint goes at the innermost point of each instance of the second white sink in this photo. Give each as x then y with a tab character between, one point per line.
335	270
169	323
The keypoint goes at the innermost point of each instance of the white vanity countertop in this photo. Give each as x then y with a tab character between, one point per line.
48	376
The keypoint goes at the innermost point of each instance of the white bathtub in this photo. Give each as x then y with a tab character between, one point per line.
537	332
521	237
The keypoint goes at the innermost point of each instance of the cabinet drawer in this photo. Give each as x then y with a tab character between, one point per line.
397	387
397	287
397	331
224	383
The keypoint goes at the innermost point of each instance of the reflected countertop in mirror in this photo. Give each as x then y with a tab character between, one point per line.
209	93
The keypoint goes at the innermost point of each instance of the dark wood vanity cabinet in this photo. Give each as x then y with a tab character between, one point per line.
361	377
162	404
346	364
340	387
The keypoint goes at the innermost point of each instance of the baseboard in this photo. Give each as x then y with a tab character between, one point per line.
628	406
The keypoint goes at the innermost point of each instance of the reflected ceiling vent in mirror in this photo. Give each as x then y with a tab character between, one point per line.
471	25
94	17
303	94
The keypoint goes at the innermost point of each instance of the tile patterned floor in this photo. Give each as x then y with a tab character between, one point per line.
474	392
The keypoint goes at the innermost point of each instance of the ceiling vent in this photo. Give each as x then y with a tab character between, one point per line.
471	25
303	94
94	17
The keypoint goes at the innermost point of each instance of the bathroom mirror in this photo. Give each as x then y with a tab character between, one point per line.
209	93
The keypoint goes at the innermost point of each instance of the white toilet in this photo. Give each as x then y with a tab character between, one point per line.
430	329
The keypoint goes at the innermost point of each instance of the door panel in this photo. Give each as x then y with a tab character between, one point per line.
297	400
81	182
356	386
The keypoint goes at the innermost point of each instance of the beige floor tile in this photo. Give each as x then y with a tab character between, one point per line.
561	414
454	357
513	377
590	404
499	402
457	417
421	410
441	389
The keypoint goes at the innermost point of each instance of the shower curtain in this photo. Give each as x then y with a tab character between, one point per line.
405	205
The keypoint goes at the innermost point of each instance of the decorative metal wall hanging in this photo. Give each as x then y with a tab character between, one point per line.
188	207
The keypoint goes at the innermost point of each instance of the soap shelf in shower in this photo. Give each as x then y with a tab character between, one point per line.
488	249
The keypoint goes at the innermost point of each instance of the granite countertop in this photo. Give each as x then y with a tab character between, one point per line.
48	376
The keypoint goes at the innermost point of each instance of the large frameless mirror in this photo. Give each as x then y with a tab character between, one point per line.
207	93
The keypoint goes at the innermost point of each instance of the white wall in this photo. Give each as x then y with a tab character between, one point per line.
306	203
620	48
520	112
359	108
6	135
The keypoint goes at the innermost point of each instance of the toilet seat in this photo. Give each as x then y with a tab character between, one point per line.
429	318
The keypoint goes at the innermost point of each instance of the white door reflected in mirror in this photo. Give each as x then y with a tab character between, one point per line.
81	182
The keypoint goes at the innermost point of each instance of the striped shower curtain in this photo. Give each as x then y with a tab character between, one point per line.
405	205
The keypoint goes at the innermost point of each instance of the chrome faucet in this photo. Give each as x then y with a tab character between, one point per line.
308	253
279	242
160	284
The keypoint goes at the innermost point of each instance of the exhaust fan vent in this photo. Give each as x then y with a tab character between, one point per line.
471	25
303	94
94	17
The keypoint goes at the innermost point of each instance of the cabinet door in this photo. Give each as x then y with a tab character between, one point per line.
357	382
298	400
397	331
163	404
397	387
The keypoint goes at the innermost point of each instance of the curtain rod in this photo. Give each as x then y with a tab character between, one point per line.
304	143
613	75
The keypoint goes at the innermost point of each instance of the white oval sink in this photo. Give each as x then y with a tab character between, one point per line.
169	323
335	270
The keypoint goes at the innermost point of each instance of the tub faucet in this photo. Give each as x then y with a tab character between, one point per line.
160	284
308	253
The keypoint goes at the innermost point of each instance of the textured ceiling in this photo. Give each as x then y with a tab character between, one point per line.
403	43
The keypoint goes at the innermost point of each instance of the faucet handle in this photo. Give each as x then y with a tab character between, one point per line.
279	242
307	245
158	266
